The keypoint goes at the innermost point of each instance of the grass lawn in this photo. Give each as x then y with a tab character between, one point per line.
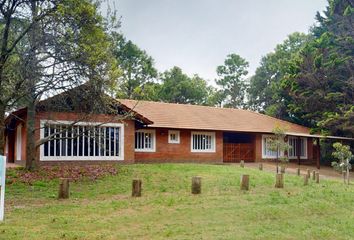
105	210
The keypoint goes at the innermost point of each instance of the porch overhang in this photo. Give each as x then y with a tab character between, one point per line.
317	136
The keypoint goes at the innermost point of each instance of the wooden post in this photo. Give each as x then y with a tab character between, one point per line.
306	179
136	188
63	188
318	159
282	169
308	173
242	163
245	182
298	150
314	175
298	171
196	185
317	177
279	180
260	166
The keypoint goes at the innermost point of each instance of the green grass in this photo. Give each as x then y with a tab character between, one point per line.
167	210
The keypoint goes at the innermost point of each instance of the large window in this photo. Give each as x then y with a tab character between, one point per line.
267	151
81	141
203	142
145	140
293	151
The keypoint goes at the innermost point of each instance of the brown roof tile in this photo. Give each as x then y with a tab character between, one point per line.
183	116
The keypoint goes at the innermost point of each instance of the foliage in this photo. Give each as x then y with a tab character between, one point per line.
231	79
60	51
265	93
344	155
138	71
321	79
278	144
177	87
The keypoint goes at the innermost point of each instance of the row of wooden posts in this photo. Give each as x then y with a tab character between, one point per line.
196	187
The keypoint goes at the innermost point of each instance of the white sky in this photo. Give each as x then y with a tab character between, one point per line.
196	35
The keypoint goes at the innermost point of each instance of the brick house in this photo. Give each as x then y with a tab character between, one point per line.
144	131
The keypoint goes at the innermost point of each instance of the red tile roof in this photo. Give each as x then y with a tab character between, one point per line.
183	116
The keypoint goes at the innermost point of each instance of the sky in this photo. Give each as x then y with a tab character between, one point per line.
197	35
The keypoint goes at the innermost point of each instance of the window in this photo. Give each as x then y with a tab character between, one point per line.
293	151
173	136
145	140
203	142
81	141
266	149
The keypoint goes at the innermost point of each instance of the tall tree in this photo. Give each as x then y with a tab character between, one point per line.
265	93
231	79
137	68
322	78
59	50
177	87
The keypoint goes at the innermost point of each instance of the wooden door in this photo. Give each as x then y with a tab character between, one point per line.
235	152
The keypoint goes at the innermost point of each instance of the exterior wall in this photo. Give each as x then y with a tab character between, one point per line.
165	152
23	143
129	131
171	152
258	147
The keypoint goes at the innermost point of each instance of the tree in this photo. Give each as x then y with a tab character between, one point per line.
278	145
321	79
265	93
136	66
60	50
177	87
344	155
231	79
14	27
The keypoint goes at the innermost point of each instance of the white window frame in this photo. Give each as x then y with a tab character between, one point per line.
83	158
19	143
176	132
264	156
295	150
153	142
213	142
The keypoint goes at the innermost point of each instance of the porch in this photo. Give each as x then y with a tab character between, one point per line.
238	146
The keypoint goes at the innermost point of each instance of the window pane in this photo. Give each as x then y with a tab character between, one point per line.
69	148
46	144
57	141
117	141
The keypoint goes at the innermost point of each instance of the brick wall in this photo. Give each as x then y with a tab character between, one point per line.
171	152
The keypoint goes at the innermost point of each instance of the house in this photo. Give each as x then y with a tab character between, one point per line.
144	131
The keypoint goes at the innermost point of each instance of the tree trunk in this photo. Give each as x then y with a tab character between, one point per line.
31	80
31	150
2	130
348	171
279	180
